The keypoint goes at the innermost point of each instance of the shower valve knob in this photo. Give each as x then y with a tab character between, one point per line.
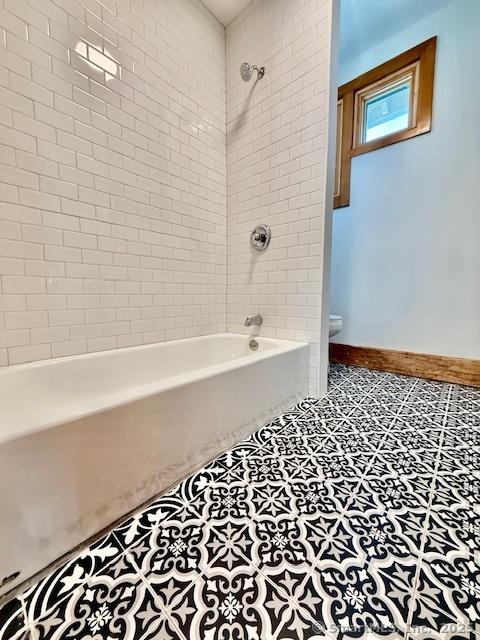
260	237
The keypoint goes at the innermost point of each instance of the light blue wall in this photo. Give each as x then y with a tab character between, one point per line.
406	252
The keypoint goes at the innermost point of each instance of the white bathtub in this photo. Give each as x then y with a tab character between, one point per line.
86	439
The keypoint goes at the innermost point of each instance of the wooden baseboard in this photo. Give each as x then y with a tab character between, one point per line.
444	368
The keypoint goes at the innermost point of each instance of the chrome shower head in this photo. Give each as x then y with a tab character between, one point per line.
246	71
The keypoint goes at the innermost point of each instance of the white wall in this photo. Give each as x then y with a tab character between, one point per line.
276	150
406	252
113	188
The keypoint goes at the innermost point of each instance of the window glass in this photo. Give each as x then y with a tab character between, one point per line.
387	112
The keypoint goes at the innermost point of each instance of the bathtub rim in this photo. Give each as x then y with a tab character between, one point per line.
132	394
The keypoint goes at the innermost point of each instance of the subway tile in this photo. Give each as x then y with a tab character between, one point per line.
75	176
81	270
77	208
101	344
16	139
17	102
43	335
12	266
47	43
63	254
57	153
14	24
18	284
14	337
27	88
45	302
39	199
19	249
37	164
26	50
17	355
33	127
60	221
16	213
19	177
8	193
44	268
54	118
43	235
68	348
25	319
64	285
10	230
85	331
83	301
12	302
117	193
60	188
15	63
65	317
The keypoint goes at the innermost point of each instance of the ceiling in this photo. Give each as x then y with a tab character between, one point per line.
363	23
226	10
366	23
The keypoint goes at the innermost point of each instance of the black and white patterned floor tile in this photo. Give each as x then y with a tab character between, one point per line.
354	516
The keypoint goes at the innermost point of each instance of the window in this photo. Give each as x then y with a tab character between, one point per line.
388	104
386	109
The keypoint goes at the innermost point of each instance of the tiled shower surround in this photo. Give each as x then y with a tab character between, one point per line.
113	172
357	516
276	131
113	203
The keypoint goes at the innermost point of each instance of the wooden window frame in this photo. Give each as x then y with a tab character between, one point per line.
421	58
362	95
344	135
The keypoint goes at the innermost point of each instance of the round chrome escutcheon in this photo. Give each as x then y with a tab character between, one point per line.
260	237
253	344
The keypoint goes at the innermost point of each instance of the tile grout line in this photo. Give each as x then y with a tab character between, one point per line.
427	519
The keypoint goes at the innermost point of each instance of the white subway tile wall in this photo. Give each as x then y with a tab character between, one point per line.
112	175
118	128
276	167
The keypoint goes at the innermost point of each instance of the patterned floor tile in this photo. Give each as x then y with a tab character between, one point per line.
228	499
361	420
407	463
412	439
380	537
12	619
461	525
354	516
114	604
351	600
147	519
394	491
178	547
313	498
59	584
453	585
243	605
455	459
429	618
461	486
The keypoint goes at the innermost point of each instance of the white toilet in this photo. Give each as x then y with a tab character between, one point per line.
335	325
